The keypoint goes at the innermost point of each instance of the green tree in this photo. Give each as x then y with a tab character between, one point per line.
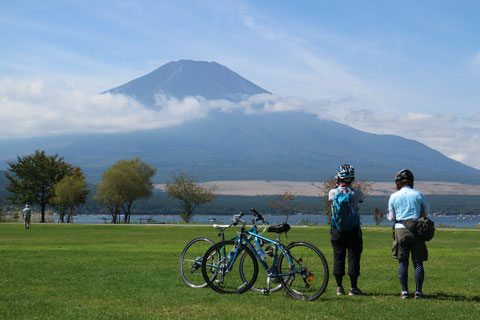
32	177
331	183
69	193
184	188
122	184
107	194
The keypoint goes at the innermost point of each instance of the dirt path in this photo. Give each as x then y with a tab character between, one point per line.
303	188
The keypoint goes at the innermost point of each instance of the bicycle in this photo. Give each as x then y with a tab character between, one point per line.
300	267
191	262
192	255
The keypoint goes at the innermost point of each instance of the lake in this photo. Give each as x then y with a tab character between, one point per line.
299	219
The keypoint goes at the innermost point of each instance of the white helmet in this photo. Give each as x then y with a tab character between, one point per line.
346	173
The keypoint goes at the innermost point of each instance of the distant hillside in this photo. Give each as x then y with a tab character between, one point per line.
3	179
280	146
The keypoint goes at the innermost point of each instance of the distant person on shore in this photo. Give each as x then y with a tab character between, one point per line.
345	229
26	215
406	204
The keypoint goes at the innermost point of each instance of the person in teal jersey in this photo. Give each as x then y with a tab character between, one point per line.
26	215
350	240
408	204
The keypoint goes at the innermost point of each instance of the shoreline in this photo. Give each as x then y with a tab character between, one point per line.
367	227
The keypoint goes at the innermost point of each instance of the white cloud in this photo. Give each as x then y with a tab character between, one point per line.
476	117
456	136
40	108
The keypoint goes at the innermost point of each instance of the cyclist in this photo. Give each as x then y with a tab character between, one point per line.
26	214
350	240
404	204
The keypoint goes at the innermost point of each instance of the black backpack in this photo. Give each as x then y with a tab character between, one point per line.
423	227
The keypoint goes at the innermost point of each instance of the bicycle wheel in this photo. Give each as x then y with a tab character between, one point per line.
307	273
272	284
191	262
222	270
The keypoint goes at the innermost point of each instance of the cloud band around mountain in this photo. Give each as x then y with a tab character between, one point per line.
44	108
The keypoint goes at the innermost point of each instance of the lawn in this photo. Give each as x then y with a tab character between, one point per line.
58	271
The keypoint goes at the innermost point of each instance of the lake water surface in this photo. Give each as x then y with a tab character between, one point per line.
299	219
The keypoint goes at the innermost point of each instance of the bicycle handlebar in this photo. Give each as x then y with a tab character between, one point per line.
258	215
236	218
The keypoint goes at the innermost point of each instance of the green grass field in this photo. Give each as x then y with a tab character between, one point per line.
58	271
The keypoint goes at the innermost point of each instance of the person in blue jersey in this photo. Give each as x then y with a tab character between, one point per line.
348	240
405	205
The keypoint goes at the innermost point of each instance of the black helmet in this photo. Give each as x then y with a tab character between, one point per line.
404	175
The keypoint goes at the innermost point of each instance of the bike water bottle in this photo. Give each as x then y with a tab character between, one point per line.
260	251
232	253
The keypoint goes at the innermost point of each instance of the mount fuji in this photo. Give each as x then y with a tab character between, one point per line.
239	145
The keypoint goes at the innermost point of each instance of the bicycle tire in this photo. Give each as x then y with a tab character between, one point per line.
191	262
262	274
239	277
309	279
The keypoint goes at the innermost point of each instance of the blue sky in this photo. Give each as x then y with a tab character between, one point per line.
410	68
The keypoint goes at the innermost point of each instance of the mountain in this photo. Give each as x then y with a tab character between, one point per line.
3	179
237	145
183	78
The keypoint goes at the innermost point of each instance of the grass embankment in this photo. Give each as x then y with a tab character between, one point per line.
131	272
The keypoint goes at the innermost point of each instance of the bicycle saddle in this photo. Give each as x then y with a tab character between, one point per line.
284	227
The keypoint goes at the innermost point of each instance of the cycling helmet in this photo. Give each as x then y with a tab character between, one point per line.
404	175
346	173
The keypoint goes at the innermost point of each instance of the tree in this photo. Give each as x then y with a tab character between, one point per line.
32	177
284	203
69	193
331	183
377	215
108	195
122	184
184	188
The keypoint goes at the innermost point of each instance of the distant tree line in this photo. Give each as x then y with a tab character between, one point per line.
48	181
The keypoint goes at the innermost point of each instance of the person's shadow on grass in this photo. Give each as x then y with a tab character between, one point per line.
437	296
452	297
